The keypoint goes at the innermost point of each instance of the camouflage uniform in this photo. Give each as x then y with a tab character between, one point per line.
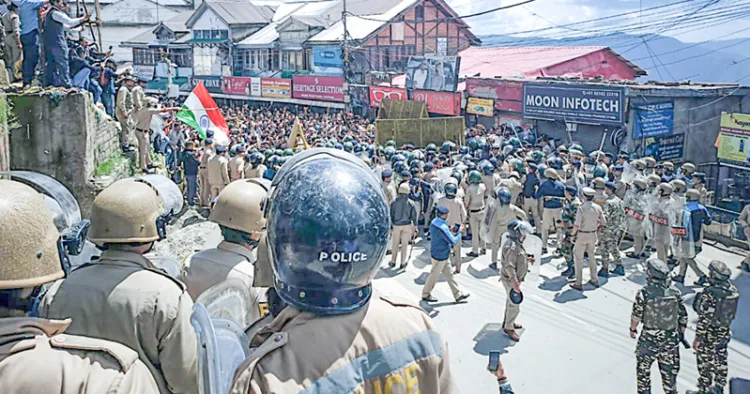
655	344
614	211
570	208
716	307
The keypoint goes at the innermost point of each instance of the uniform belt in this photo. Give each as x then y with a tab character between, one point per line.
586	232
201	168
142	131
476	210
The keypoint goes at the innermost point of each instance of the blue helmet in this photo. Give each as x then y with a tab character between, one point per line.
389	152
556	163
398	167
338	146
256	158
486	167
451	190
517	227
503	195
328	225
464	150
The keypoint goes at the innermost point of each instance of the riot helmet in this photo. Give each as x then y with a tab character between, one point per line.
328	226
678	186
719	272
239	210
600	171
518	229
451	190
657	269
475	177
487	167
503	195
665	189
403	188
693	195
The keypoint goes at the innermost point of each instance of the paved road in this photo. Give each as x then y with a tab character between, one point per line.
572	342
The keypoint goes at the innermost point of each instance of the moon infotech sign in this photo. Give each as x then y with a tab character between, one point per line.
574	103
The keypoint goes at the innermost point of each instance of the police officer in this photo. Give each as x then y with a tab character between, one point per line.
124	110
699	216
551	192
660	221
254	167
36	355
474	201
589	219
504	213
600	196
139	95
570	209
530	204
635	225
658	306
236	164
327	308
699	184
515	265
239	215
686	173
206	154
142	119
404	217
513	185
218	171
716	307
390	192
614	211
124	297
456	216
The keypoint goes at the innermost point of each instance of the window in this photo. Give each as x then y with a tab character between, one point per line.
146	56
419	12
211	34
293	61
206	61
397	31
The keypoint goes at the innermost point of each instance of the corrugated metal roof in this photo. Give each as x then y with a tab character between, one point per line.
490	62
361	27
241	12
263	38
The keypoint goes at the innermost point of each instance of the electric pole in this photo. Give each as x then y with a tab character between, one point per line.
347	98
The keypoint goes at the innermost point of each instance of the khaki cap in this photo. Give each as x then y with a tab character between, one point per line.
240	206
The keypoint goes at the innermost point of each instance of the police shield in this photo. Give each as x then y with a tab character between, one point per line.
67	216
636	212
484	227
219	319
533	247
167	264
629	174
680	228
168	192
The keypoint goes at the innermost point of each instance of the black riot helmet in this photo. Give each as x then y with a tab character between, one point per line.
328	225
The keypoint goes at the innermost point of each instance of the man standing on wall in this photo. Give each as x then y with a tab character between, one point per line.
124	111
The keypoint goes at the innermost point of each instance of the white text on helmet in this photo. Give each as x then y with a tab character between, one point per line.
341	257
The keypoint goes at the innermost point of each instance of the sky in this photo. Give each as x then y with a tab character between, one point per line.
545	13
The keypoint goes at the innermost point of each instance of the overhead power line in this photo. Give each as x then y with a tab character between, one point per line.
492	10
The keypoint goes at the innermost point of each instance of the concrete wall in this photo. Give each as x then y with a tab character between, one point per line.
64	137
4	144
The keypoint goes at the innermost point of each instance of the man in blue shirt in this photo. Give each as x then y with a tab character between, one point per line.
552	193
698	216
441	244
27	13
530	184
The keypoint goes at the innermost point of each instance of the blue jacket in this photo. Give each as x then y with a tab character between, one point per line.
550	188
529	187
190	163
442	240
699	216
78	63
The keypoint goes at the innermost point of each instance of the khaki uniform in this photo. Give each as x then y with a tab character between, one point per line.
207	268
499	225
218	174
142	130
474	201
662	236
390	192
125	299
205	195
12	27
236	168
588	219
515	265
37	357
139	98
123	111
256	172
346	348
744	221
456	215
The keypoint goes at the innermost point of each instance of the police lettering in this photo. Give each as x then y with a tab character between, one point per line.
403	381
342	257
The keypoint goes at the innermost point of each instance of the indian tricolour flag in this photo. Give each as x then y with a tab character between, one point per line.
202	114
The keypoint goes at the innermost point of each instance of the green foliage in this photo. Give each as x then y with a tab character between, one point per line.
109	165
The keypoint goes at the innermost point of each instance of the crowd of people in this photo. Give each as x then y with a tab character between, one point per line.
304	231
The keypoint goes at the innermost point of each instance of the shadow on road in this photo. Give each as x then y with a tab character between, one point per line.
569	295
483	273
491	338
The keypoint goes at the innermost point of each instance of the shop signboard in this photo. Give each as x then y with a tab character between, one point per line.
378	93
665	147
316	87
443	103
242	86
574	103
734	139
653	119
211	82
276	88
328	60
480	106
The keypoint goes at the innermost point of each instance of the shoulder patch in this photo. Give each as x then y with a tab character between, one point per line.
125	356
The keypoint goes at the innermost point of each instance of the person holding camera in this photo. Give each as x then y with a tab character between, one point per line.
499	372
442	239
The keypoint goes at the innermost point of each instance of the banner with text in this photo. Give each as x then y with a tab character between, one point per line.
574	103
242	86
378	93
665	147
276	87
479	106
734	139
313	87
653	119
212	83
444	103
